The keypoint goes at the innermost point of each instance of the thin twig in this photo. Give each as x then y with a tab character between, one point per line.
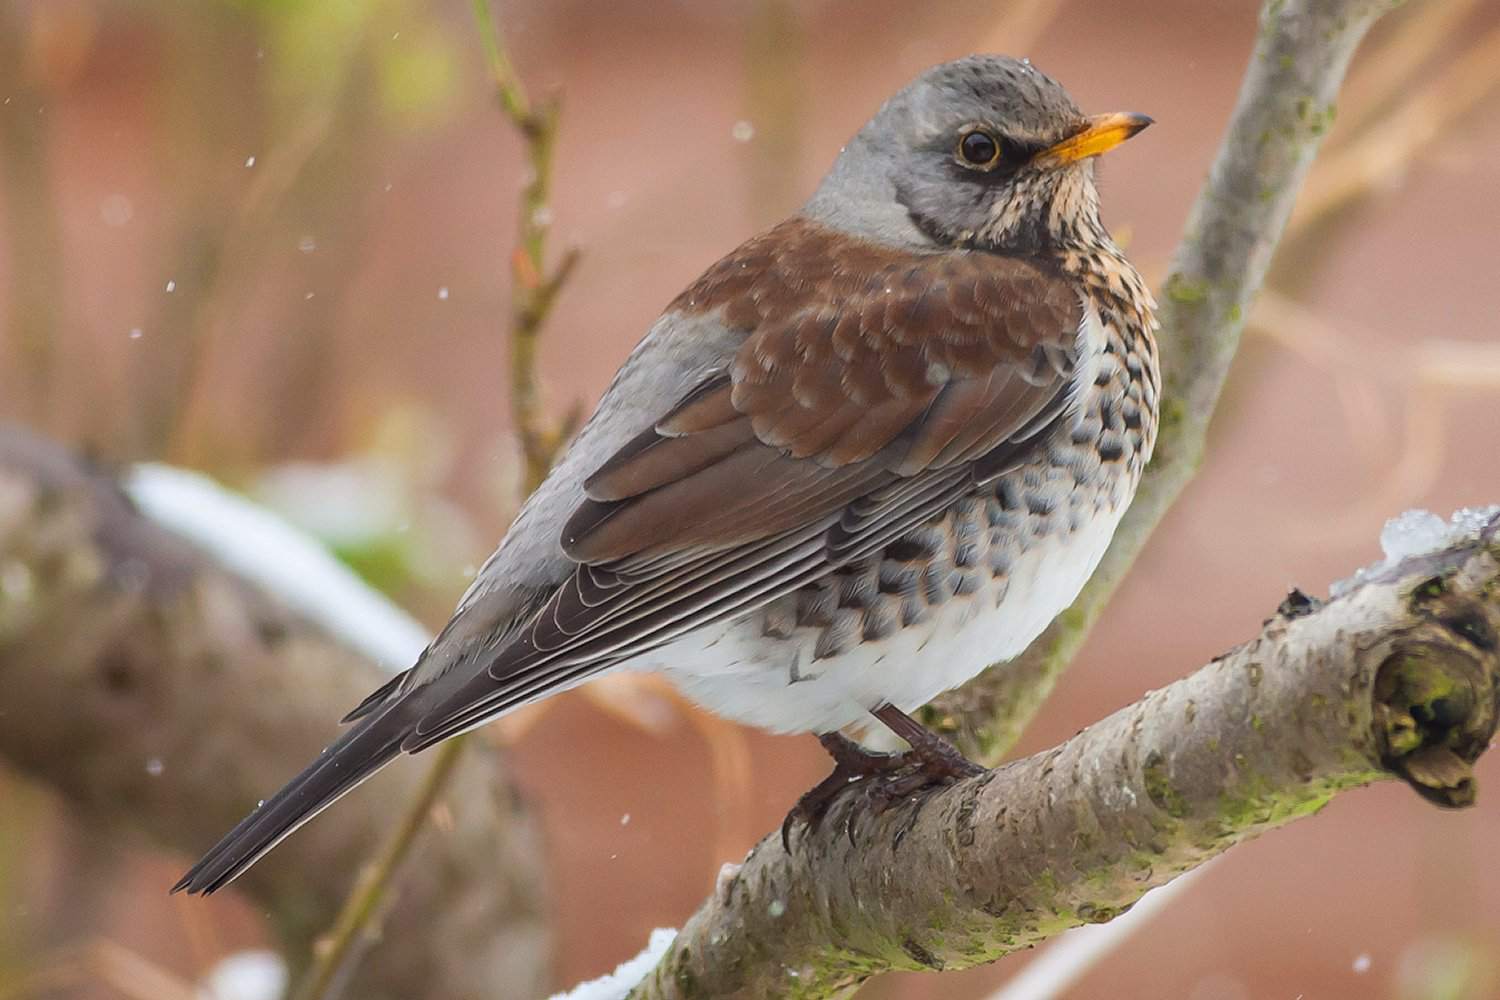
1388	70
534	292
1379	157
175	425
775	43
534	287
333	953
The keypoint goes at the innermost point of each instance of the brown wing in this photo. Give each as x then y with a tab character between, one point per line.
861	364
873	387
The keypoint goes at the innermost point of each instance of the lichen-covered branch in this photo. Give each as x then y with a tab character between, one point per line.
1398	678
156	691
1285	106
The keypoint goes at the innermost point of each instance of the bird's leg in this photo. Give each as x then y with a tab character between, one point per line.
935	758
931	760
851	763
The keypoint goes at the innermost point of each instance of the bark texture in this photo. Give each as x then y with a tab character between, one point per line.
155	690
1285	106
1398	678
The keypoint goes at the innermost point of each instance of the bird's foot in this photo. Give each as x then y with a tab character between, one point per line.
926	767
885	778
852	764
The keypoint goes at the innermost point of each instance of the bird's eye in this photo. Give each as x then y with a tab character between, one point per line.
978	149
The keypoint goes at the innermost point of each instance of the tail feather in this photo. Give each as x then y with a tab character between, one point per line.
376	698
352	758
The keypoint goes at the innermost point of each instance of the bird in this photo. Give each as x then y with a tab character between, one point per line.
870	452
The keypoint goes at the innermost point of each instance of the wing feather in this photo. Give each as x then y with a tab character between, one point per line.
872	390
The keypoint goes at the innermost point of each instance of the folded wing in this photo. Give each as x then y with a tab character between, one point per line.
867	397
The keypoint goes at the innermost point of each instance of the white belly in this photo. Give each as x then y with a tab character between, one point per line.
737	671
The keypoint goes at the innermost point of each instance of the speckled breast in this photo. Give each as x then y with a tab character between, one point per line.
971	587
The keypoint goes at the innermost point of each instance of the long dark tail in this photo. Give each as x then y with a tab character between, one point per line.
351	759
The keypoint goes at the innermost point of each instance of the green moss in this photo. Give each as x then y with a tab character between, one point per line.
1256	802
1172	414
1159	787
1180	289
682	971
1101	914
1422	686
1402	735
1326	120
1430	588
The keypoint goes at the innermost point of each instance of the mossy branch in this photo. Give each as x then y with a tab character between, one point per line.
1396	679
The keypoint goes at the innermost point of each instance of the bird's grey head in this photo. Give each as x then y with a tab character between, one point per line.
985	151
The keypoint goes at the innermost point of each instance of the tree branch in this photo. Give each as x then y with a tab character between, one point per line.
1285	106
1398	678
134	673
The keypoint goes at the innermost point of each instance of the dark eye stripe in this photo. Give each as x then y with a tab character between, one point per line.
1015	152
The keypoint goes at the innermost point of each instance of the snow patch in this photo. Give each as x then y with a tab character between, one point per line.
1419	533
266	550
627	975
245	975
1411	534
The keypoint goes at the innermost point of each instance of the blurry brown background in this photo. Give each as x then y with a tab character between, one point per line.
270	239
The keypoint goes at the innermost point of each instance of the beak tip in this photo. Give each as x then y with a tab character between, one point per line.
1098	135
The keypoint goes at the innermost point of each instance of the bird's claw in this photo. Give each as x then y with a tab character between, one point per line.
885	779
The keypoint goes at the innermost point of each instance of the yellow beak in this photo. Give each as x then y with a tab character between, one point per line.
1101	134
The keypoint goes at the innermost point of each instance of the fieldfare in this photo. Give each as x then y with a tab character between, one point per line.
870	452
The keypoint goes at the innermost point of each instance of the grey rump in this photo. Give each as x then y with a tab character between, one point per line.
869	452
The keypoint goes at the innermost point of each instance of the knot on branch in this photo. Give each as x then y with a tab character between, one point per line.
1435	695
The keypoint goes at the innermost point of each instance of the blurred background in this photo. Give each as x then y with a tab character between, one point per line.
271	240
